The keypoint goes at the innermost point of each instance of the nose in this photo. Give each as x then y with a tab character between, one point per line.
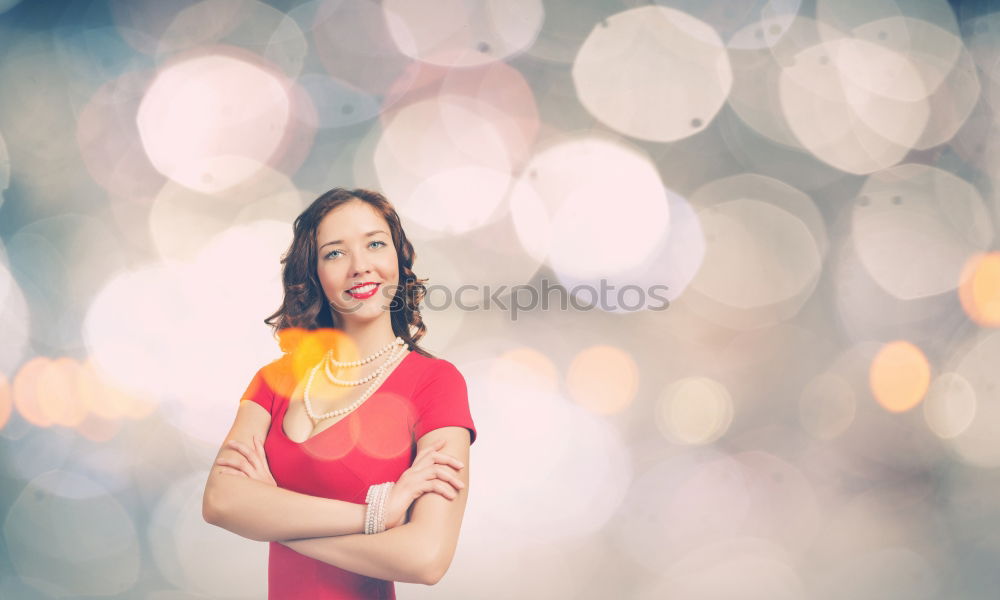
360	266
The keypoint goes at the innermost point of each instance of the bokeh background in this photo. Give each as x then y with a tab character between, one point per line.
815	414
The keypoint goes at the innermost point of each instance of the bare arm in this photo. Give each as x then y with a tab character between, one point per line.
264	512
399	554
419	551
267	513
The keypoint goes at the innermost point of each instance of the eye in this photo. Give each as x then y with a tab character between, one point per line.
332	252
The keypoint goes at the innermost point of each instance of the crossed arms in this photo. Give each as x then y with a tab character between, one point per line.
331	531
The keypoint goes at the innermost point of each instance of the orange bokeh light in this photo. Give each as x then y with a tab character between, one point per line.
6	400
603	379
979	290
58	391
25	391
899	376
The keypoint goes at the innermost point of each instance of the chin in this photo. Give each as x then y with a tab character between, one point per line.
364	316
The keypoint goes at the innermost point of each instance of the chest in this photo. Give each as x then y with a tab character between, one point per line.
341	456
329	404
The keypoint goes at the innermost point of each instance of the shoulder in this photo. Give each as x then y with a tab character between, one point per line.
436	375
432	369
278	374
441	399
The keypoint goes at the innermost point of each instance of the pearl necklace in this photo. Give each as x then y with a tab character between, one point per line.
395	356
328	358
358	363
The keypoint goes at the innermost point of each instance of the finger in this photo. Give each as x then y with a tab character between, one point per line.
437	487
428	450
242	463
246	452
228	464
446	475
441	457
239	447
441	474
421	458
433	447
254	450
236	461
232	471
445	490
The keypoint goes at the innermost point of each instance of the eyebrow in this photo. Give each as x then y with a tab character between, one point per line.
369	234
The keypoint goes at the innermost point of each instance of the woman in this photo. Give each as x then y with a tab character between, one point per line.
350	453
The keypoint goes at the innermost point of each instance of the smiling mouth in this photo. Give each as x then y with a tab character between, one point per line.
363	291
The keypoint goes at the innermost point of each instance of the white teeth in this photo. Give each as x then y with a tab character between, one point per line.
363	289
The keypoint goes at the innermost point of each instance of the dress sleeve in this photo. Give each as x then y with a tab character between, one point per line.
259	391
442	400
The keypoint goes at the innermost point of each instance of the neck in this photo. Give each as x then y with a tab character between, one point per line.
369	337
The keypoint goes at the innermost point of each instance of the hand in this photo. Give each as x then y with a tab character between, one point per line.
252	462
431	471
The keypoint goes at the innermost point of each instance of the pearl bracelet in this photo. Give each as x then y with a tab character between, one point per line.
378	495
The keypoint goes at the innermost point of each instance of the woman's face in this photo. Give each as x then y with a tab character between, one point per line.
355	247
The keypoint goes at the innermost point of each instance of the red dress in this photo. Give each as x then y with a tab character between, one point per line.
373	444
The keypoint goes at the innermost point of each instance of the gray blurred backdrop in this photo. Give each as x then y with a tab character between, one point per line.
731	281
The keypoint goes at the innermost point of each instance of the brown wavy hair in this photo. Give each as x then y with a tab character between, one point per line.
305	305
